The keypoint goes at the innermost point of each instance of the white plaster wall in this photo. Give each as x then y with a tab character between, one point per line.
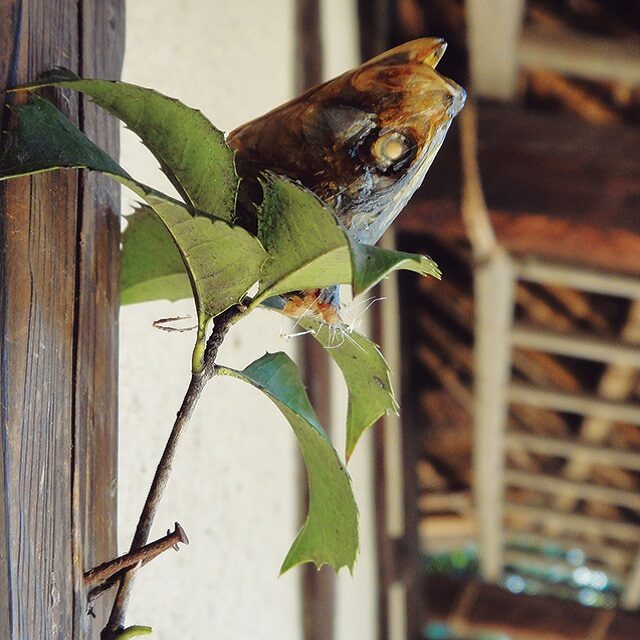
235	483
356	596
234	486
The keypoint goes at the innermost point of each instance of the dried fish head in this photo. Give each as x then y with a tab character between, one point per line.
362	142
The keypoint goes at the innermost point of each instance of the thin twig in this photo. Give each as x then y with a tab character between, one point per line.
105	571
198	381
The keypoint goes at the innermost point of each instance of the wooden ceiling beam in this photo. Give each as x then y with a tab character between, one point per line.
493	31
575	403
495	294
571	521
598	58
576	345
584	279
568	449
553	184
494	609
615	556
577	490
539	563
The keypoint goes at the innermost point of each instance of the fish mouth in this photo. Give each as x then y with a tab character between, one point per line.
426	51
458	96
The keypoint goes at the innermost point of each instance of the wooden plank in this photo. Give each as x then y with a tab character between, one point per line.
318	587
554	165
606	59
548	185
524	233
575	403
630	598
493	31
56	340
591	280
571	521
494	294
375	19
98	303
496	610
403	446
37	280
577	490
576	345
616	383
523	616
542	564
568	449
389	467
613	556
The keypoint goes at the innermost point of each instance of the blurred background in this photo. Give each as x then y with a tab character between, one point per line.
503	502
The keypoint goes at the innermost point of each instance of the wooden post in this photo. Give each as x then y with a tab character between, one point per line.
494	296
58	337
318	587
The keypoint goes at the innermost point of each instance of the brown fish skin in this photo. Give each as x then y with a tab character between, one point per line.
362	142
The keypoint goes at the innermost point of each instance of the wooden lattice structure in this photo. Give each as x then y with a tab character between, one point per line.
522	367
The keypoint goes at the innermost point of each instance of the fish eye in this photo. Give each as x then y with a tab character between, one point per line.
392	150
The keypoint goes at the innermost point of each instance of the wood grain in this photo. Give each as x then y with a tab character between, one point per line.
555	186
57	339
496	610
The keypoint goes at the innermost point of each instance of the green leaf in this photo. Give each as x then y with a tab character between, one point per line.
151	267
366	374
371	264
133	632
191	151
306	244
309	248
43	139
284	238
223	261
330	532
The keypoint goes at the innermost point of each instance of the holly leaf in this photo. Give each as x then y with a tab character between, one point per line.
306	245
371	264
365	372
223	261
133	632
309	248
329	534
191	151
151	267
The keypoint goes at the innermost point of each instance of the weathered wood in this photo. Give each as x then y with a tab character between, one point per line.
523	616
580	404
582	278
577	345
568	449
409	565
493	32
571	521
318	587
572	53
614	556
531	234
575	489
390	471
494	286
553	185
96	378
559	166
58	278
